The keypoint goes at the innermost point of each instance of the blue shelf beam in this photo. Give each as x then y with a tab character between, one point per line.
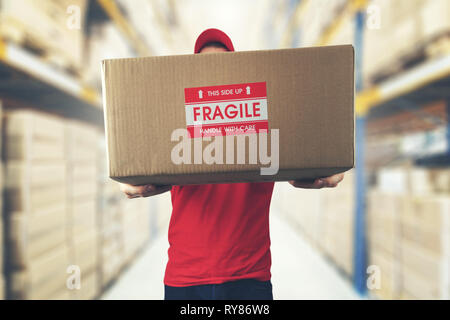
360	239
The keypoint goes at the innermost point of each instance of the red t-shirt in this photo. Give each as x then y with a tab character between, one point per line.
219	233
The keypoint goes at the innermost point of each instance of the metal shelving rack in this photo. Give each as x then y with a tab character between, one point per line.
409	90
29	81
25	77
114	13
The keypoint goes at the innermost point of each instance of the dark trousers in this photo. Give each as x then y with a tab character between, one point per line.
247	289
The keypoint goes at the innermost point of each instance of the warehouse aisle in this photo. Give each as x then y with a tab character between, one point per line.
299	271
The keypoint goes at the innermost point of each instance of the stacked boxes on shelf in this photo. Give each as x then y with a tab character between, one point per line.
415	22
105	42
383	232
425	252
35	205
124	224
325	217
317	18
421	25
136	226
83	193
124	229
63	216
111	232
59	36
337	221
301	207
409	218
345	33
425	242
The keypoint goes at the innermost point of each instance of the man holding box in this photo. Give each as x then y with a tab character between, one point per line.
219	233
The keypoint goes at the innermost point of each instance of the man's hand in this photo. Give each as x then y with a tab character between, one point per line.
328	182
142	191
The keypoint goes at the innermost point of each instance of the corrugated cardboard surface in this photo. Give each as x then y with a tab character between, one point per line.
310	94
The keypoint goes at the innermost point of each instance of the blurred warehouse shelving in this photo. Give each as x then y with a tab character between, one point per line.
28	77
62	215
403	140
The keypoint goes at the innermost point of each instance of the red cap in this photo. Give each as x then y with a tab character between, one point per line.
213	35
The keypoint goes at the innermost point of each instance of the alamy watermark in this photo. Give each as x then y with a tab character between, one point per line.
374	278
220	152
373	17
73	281
74	20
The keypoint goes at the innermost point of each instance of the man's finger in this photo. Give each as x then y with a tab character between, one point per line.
131	196
333	181
153	191
308	184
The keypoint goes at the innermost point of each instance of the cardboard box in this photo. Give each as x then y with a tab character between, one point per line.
390	272
29	201
428	212
85	251
33	136
43	276
384	221
303	97
83	217
31	235
28	176
418	286
430	265
83	142
112	258
63	294
83	180
53	37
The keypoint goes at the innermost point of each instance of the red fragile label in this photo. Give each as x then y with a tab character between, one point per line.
226	109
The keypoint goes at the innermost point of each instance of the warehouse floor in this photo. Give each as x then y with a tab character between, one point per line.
298	270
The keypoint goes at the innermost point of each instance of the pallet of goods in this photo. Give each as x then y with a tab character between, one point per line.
35	205
409	228
82	144
423	27
53	29
324	217
317	18
300	207
104	42
425	247
338	211
111	256
384	248
136	226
